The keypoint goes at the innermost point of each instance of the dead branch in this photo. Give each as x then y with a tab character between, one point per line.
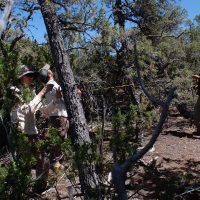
119	170
165	108
140	80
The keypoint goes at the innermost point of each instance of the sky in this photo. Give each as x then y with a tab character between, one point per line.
192	7
38	29
38	32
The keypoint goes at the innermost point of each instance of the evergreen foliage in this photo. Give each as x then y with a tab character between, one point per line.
98	39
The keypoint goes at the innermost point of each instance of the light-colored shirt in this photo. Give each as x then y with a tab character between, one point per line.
23	114
60	105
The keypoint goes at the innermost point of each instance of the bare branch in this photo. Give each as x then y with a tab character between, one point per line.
136	62
119	170
168	36
12	46
158	129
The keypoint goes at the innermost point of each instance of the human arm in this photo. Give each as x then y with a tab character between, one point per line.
195	76
36	103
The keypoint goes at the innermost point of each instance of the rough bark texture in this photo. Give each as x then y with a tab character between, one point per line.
65	74
78	126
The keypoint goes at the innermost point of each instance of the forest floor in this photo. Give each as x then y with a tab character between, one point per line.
174	161
171	170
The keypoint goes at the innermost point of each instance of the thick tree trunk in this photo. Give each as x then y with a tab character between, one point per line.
78	125
119	178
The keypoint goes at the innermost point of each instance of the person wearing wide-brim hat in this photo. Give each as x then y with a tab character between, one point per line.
26	74
44	73
23	113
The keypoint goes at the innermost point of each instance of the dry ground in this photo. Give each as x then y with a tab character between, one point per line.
176	154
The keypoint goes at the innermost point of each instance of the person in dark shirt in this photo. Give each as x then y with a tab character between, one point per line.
196	81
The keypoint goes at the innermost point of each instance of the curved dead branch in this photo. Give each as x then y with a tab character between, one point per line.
119	170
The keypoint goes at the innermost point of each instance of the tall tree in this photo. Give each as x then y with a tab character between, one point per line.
79	129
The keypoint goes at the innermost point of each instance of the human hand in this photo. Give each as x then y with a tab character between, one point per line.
45	89
196	77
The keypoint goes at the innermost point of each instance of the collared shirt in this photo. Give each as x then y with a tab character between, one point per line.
60	105
23	114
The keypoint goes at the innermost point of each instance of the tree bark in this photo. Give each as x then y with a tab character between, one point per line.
78	126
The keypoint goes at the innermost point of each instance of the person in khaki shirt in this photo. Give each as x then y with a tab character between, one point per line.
23	115
23	112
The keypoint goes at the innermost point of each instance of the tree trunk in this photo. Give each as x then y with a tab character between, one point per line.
119	178
78	126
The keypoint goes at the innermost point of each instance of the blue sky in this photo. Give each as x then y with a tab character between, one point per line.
192	7
38	29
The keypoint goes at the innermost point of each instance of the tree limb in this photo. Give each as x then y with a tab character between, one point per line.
119	170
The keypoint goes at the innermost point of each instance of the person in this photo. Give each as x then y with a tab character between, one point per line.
59	118
196	81
23	115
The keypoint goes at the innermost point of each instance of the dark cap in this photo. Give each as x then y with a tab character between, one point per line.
24	70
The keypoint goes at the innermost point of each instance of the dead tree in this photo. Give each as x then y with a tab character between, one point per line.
119	170
78	126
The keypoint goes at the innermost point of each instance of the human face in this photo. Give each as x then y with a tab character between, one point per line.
26	79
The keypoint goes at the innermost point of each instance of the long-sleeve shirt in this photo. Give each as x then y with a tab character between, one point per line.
24	114
60	105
